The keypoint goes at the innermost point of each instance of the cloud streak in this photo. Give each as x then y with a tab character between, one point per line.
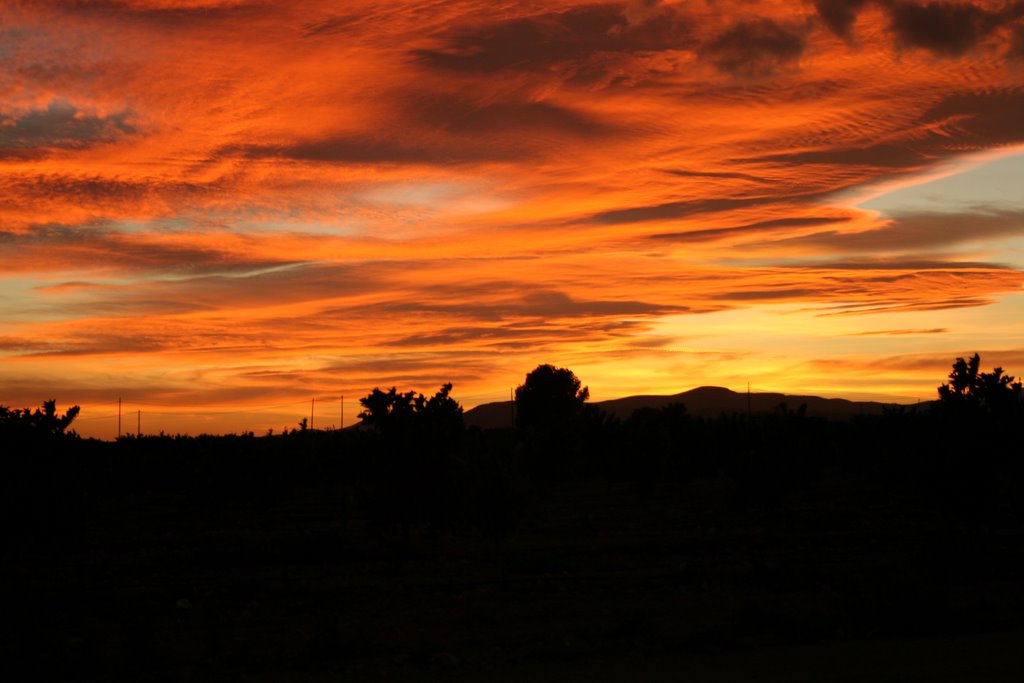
207	200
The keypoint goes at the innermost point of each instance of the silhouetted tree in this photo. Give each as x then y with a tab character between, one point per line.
998	392
550	397
414	473
442	415
393	412
990	392
28	423
963	382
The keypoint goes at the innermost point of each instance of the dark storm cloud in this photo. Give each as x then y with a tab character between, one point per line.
839	15
754	48
945	28
539	41
61	126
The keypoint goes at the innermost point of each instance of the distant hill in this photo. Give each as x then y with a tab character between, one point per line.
700	402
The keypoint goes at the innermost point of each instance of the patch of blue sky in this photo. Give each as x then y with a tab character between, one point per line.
992	182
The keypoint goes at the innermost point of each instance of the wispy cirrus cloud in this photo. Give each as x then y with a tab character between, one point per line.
916	233
204	199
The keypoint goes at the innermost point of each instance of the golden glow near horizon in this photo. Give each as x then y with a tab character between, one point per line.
219	209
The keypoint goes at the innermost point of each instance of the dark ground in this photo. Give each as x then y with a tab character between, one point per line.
600	580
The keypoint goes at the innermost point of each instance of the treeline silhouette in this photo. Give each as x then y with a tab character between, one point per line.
414	462
412	473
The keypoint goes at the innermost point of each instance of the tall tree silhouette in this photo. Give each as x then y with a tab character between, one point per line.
550	397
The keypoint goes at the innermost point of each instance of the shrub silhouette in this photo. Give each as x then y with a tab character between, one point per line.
415	473
973	391
25	423
549	399
393	413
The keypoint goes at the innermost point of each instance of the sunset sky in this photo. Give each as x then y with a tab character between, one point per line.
220	209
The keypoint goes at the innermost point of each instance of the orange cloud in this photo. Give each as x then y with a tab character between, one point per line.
214	202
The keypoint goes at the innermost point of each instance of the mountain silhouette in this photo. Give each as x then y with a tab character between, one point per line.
700	402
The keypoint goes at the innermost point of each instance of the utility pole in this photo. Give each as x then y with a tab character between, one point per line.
342	422
138	424
748	401
312	407
512	402
119	417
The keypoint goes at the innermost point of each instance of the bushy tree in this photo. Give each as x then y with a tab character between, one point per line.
441	413
970	389
38	423
394	412
549	398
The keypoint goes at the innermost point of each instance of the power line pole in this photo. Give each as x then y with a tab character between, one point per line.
119	417
512	402
748	401
342	422
138	424
312	407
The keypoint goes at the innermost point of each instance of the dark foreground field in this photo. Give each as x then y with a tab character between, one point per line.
297	559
